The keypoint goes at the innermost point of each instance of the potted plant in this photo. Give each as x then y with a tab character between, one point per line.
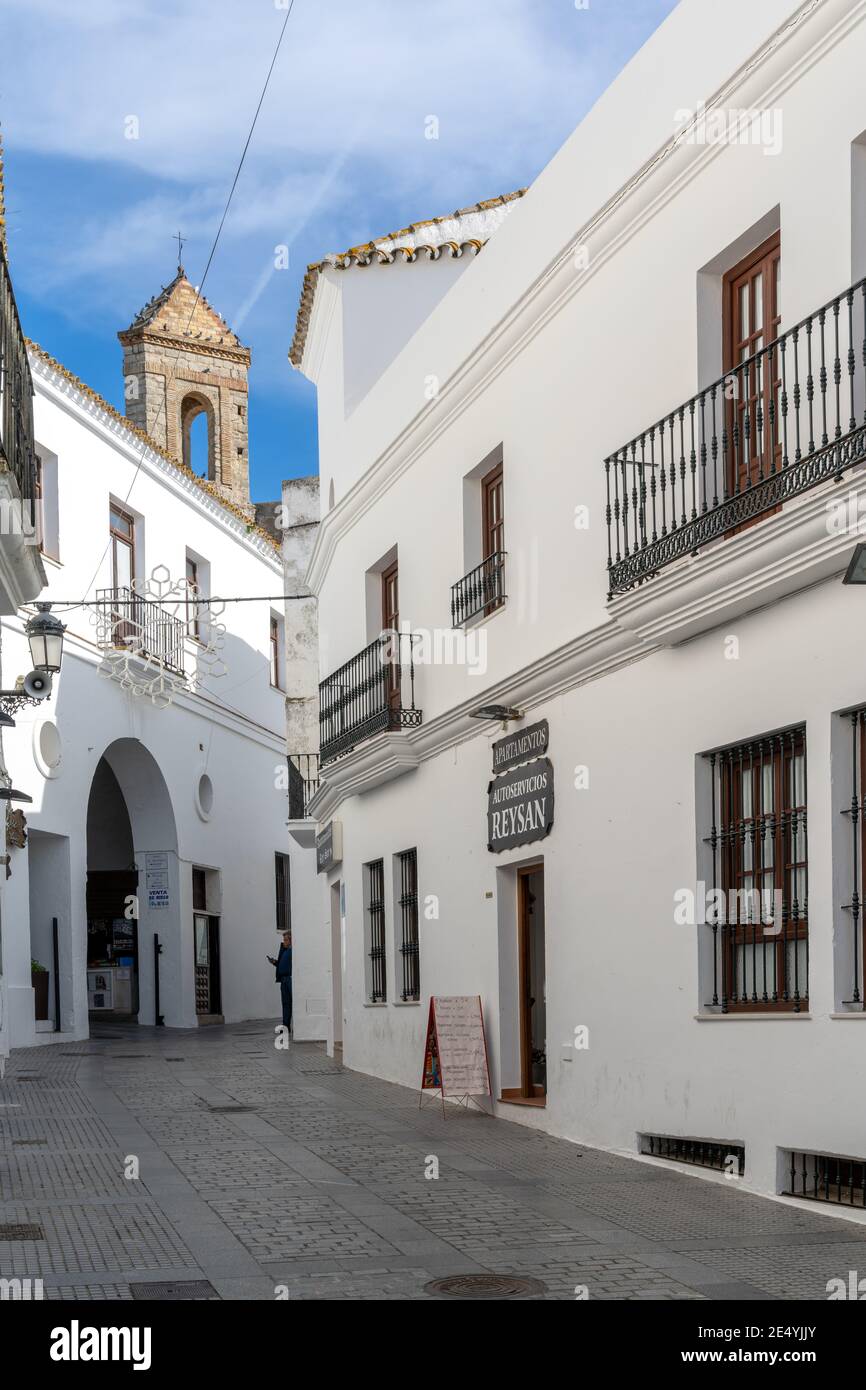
39	981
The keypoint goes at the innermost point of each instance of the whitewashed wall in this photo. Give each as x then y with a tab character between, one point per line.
561	364
233	731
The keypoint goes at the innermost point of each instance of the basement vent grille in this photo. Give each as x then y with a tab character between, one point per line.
826	1178
701	1153
232	1109
13	1232
25	1143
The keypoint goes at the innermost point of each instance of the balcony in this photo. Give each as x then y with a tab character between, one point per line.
17	450
789	417
127	621
482	590
371	694
303	783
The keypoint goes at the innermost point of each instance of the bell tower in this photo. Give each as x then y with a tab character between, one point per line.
181	360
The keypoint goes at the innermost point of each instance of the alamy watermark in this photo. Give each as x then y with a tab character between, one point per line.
438	646
731	126
720	907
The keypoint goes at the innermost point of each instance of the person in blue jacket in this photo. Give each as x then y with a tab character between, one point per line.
283	965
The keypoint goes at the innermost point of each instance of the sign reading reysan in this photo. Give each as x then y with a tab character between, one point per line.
520	805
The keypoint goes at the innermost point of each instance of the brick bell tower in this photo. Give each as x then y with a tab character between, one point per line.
181	360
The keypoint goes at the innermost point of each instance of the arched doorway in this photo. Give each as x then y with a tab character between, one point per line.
134	955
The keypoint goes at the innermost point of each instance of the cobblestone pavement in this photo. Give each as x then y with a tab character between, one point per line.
260	1169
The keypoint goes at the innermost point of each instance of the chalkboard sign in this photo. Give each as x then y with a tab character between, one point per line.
455	1054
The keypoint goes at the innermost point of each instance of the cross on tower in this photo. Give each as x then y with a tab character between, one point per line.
180	241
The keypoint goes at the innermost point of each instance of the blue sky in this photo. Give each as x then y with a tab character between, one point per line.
339	154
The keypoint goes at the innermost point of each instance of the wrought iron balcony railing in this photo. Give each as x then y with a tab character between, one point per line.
373	692
479	591
142	627
303	783
778	423
17	448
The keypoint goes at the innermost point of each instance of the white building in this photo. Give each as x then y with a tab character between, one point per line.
157	768
693	677
22	575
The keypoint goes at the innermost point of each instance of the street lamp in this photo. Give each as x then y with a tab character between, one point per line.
45	635
497	713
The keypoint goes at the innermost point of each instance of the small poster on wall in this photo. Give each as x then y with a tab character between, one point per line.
455	1052
156	878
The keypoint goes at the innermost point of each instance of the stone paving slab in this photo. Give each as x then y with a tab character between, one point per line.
320	1187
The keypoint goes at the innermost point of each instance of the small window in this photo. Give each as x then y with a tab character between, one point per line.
283	892
193	625
493	519
374	902
199	890
276	651
493	538
757	839
38	490
45	502
122	548
406	892
752	315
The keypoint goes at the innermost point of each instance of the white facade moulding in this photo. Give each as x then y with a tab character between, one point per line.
798	547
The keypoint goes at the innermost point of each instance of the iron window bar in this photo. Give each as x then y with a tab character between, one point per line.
376	930
482	590
827	1178
371	693
142	626
408	904
855	811
758	842
702	1153
17	444
303	783
788	417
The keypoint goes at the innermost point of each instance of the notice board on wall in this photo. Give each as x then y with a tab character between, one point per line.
455	1053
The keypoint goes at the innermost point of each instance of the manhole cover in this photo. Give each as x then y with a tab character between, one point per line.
13	1232
232	1109
486	1286
165	1291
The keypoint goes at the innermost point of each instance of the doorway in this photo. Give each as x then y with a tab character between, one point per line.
336	969
530	1001
206	945
111	899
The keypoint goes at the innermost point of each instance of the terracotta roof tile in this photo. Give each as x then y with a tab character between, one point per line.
404	245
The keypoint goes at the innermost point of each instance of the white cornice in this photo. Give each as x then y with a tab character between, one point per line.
780	555
807	543
387	756
815	28
64	394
